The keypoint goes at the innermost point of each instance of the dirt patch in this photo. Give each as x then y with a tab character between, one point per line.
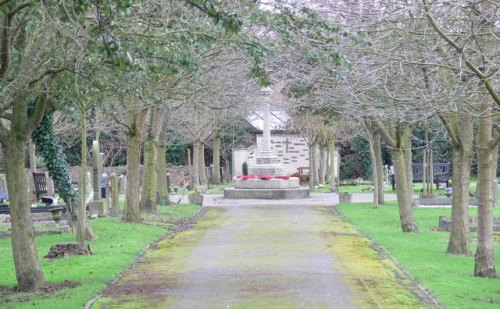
139	287
9	294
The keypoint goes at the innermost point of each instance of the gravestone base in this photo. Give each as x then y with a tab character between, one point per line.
271	194
272	189
445	224
439	202
292	182
345	198
99	207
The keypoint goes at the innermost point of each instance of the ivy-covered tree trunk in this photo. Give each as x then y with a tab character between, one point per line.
485	257
202	171
216	159
161	163
28	271
134	134
51	151
148	196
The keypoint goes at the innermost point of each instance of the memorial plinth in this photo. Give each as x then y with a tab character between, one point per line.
267	164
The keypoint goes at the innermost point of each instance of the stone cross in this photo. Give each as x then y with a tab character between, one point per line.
266	134
115	194
96	170
287	142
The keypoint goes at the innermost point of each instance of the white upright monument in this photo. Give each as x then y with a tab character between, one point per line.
267	162
266	165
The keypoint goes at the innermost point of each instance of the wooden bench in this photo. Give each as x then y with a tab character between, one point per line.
40	181
302	174
441	171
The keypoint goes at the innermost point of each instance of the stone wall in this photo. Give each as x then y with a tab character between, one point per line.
292	152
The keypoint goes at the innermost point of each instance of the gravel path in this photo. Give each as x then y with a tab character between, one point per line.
264	256
250	254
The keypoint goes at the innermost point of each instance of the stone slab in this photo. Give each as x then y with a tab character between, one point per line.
445	224
271	194
99	207
292	182
440	201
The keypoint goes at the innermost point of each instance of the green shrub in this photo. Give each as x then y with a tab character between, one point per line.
244	168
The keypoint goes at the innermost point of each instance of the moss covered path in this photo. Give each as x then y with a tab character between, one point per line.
264	256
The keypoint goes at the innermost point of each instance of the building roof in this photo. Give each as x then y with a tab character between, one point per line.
278	120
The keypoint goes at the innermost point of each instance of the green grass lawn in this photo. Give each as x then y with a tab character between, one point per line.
449	278
118	245
365	188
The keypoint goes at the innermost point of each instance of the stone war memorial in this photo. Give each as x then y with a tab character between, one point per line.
266	178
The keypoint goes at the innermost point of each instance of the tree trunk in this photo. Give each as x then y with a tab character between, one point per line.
494	168
314	164
311	165
195	168
379	166
485	258
80	224
148	195
459	241
202	171
322	164
408	223
398	138
375	176
149	189
406	144
161	163
32	159
331	150
133	178
136	126
28	271
216	159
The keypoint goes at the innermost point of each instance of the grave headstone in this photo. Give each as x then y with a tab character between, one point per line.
3	188
104	185
98	205
96	175
115	194
122	184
